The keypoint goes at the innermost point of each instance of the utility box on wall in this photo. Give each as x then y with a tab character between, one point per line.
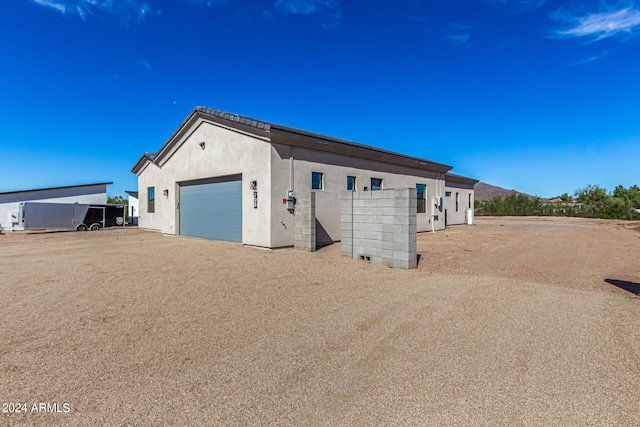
380	226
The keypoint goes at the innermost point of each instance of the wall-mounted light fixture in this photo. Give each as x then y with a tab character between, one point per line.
202	145
253	185
166	193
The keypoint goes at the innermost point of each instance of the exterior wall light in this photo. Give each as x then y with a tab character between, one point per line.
166	193
202	145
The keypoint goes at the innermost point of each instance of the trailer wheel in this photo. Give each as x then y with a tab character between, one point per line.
95	227
81	227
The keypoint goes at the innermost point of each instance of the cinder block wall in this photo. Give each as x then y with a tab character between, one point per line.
380	226
304	222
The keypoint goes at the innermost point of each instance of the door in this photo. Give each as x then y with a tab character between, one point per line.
212	209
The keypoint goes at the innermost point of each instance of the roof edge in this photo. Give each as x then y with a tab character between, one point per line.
417	162
459	179
146	157
262	127
56	188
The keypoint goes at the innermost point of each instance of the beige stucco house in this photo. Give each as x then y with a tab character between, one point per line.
228	177
458	199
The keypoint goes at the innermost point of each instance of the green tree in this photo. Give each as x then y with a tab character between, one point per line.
117	200
566	198
594	200
625	201
632	195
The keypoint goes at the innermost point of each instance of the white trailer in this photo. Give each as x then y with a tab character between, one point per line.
68	216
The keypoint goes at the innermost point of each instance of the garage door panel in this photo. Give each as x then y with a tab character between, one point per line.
212	210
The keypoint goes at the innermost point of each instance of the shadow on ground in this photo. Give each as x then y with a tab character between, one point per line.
632	287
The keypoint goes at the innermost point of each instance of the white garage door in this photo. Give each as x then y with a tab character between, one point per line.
212	210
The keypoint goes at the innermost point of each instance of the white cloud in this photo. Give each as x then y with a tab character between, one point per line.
330	9
146	64
266	15
128	10
600	25
57	6
460	38
460	33
304	7
591	59
81	13
519	5
207	3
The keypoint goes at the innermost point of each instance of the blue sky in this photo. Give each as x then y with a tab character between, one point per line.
540	96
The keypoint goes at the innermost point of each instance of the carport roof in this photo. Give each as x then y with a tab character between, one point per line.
291	136
55	188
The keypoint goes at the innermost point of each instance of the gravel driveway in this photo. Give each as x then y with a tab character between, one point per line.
507	322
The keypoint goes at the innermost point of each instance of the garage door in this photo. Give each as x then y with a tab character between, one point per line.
212	210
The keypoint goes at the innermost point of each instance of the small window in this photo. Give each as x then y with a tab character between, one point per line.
469	200
151	200
316	181
376	184
457	201
351	183
447	194
422	190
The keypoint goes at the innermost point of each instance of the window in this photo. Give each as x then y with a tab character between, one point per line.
422	205
151	199
447	194
376	184
316	181
351	183
469	200
457	201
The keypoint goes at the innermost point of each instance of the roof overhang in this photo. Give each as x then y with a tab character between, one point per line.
298	138
142	162
459	179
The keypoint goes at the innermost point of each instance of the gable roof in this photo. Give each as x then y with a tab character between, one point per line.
146	157
286	135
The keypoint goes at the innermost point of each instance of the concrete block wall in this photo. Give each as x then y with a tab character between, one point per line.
304	222
380	226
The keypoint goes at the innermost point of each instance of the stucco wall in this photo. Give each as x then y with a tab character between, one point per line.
133	207
226	152
465	197
277	168
335	169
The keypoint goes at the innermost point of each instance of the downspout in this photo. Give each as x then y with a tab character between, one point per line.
291	169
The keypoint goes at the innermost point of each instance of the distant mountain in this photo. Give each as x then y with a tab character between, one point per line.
484	192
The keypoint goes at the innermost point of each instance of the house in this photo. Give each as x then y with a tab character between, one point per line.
227	177
458	199
133	207
86	193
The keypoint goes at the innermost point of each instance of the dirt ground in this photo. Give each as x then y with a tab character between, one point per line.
511	321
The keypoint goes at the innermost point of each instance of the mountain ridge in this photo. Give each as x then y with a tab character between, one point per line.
484	192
